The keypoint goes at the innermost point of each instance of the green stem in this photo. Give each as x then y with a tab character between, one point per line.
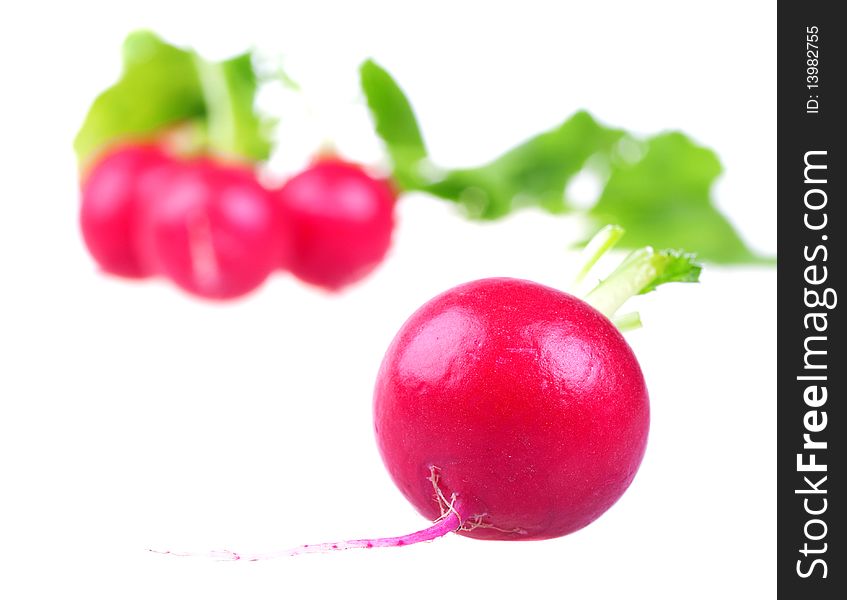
221	131
603	241
627	322
640	272
633	275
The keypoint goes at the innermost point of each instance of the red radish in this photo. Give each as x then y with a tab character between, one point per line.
110	196
340	221
524	401
210	228
516	411
508	410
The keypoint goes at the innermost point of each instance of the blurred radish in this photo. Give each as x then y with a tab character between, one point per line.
108	213
210	228
339	219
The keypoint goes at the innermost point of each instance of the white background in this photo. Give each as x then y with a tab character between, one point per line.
132	416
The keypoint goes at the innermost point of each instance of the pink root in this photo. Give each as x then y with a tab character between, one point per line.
449	523
442	527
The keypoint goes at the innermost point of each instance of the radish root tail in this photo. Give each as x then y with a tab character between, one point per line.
449	522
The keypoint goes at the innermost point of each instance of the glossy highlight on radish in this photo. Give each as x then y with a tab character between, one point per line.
339	220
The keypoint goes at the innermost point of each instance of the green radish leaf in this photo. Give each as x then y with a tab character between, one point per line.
658	189
673	266
664	199
534	173
159	86
395	123
163	86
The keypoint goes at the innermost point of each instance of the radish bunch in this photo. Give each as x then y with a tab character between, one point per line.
169	155
216	232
